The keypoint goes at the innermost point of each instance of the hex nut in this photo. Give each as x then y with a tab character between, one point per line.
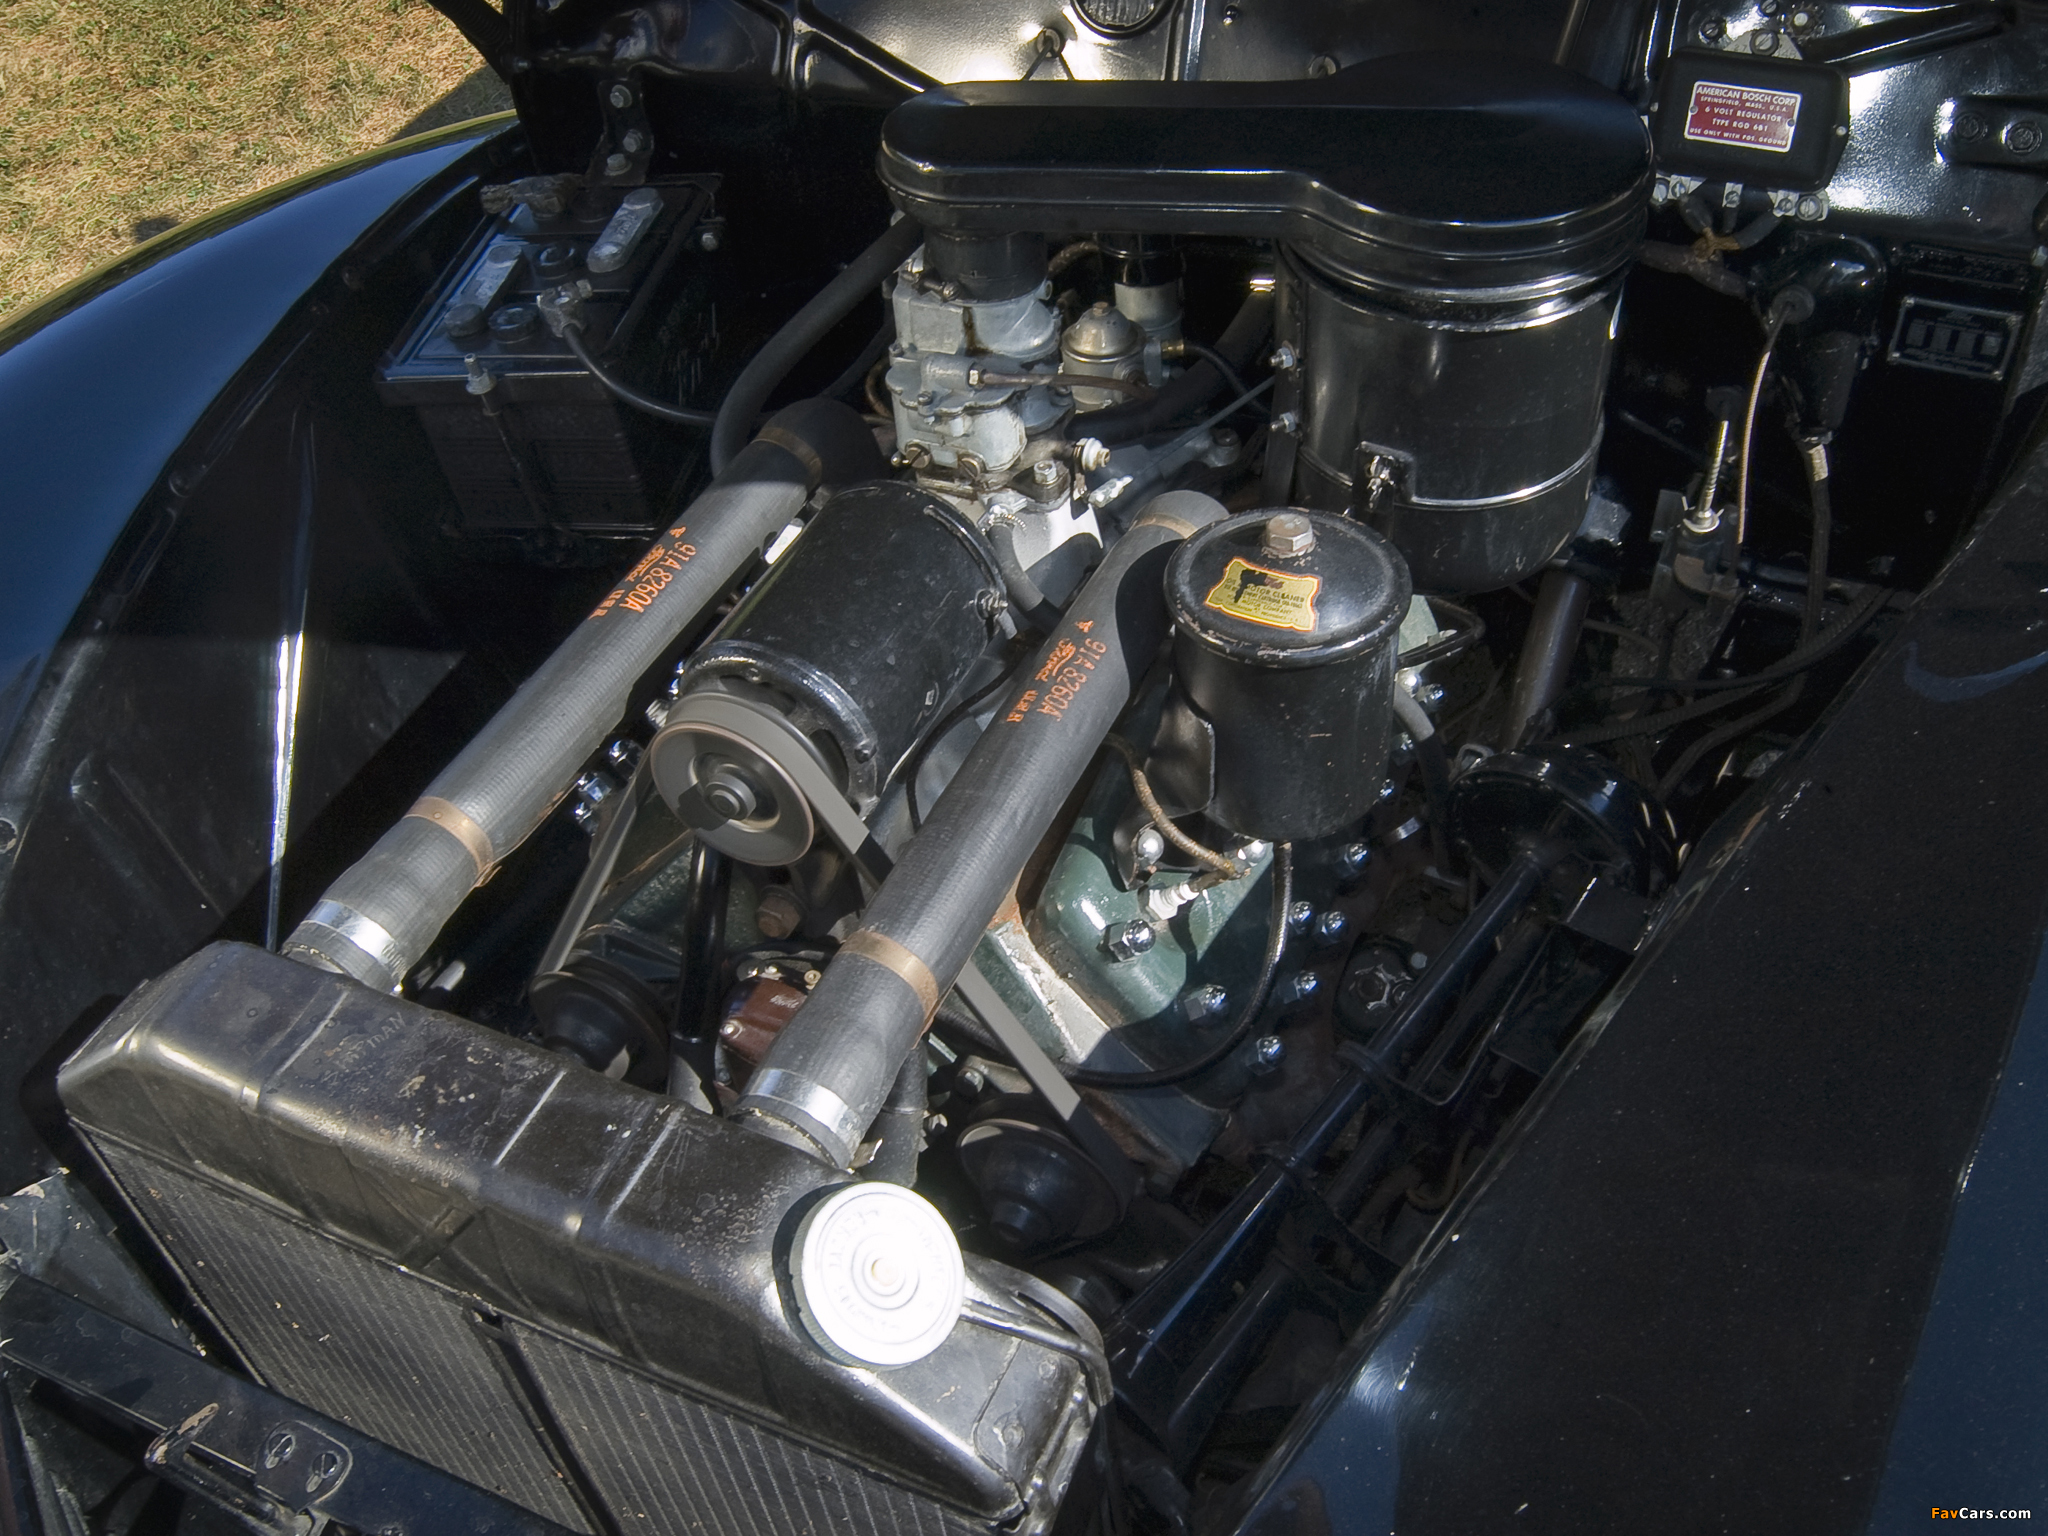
1127	941
1287	536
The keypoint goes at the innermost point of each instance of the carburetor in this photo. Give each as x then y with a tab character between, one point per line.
975	333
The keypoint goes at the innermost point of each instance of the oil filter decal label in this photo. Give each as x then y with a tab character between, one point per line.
1742	115
1272	598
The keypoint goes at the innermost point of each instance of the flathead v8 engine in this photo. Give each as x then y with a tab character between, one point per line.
1109	740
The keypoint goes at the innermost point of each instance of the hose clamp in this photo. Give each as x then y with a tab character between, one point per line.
461	826
815	1107
366	934
797	449
899	962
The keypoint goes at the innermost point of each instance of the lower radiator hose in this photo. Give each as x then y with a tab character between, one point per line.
378	919
831	1068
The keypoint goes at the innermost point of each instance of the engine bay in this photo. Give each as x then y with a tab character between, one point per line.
1133	651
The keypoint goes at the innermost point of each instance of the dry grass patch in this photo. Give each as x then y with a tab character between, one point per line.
119	118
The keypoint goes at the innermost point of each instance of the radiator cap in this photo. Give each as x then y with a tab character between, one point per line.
878	1275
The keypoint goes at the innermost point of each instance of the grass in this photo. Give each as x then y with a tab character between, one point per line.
122	118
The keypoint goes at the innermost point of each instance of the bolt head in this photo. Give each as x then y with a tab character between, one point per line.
1287	422
1046	472
2023	136
707	239
1283	357
1149	845
621	97
1287	536
1331	927
1127	941
1299	916
633	141
1713	29
1764	40
1268	1052
1204	1002
1811	208
617	164
1299	988
1353	858
730	1029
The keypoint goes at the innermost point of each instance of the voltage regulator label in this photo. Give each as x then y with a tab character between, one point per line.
1743	116
1273	598
1955	338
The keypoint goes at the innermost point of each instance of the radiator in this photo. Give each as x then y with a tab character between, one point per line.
549	1284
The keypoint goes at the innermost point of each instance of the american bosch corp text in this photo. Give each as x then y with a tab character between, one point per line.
1966	1513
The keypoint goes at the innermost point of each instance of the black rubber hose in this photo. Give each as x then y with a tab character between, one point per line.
1247	1017
1178	397
621	390
1435	765
1031	604
1217	361
803	331
830	1068
379	917
915	760
857	370
898	1130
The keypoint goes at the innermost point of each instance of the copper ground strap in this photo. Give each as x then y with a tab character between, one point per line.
898	961
458	824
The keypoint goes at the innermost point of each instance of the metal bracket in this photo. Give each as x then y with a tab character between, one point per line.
628	143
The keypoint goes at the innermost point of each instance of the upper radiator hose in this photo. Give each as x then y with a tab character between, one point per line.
830	1069
376	921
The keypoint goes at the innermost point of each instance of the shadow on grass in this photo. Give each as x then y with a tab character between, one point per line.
481	93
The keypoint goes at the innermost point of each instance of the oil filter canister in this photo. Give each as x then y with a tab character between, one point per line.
829	671
1286	627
